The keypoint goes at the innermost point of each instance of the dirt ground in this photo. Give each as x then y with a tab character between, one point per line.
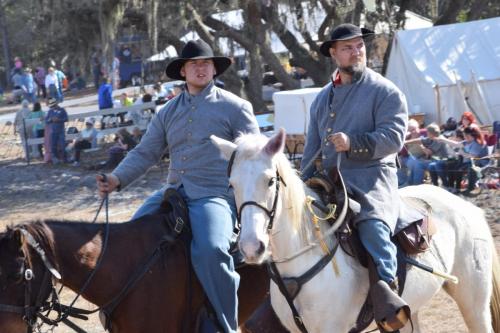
41	191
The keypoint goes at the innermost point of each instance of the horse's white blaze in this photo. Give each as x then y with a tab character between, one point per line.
463	246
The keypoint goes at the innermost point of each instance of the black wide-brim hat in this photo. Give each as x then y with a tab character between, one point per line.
197	49
344	31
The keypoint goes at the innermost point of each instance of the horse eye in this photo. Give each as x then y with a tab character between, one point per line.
271	181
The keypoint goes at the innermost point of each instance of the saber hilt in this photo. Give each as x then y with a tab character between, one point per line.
429	269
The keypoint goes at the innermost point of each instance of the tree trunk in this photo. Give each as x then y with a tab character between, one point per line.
450	12
231	80
318	69
110	14
152	19
5	45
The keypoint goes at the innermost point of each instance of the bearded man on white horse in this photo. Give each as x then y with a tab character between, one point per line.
362	116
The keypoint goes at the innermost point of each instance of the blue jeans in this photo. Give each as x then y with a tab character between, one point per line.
438	169
417	168
57	144
212	222
376	238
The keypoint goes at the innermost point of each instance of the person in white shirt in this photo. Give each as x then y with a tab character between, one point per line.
52	84
87	139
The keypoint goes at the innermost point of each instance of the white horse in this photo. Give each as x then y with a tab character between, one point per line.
330	302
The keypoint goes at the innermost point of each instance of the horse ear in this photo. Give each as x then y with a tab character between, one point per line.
18	238
276	144
225	147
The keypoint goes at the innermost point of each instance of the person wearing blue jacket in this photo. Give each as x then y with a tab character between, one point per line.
29	86
56	117
105	97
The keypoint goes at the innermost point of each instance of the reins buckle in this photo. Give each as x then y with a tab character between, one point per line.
179	225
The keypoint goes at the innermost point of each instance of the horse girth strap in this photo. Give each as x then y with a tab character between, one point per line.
297	283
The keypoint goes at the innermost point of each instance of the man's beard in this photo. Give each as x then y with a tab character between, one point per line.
353	70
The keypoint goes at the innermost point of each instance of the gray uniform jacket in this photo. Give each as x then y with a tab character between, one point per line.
372	112
185	125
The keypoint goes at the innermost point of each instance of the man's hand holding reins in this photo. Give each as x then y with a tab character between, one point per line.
107	184
341	141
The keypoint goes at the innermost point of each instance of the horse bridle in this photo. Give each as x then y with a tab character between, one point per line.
29	312
271	213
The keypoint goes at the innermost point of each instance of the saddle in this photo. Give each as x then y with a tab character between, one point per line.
381	303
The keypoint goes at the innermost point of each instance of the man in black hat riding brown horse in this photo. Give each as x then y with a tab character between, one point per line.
197	170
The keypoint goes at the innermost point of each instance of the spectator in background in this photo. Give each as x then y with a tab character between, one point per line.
467	119
21	127
432	155
449	128
18	64
29	86
78	82
56	117
473	147
17	83
52	85
86	139
407	151
125	100
137	134
441	154
61	78
38	129
158	92
105	98
41	90
124	142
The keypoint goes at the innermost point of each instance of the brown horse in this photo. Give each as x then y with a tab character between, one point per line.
159	302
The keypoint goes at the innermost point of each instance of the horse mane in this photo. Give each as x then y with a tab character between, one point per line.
294	195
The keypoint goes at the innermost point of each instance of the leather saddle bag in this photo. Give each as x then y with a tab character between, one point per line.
416	237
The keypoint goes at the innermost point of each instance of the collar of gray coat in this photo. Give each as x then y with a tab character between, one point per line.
355	78
202	94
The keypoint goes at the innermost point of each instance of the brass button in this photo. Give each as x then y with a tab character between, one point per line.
366	150
329	130
190	120
193	108
182	171
326	140
332	114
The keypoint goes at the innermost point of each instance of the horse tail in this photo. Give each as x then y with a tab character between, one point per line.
495	295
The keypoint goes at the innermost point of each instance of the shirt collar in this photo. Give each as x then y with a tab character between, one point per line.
202	94
337	80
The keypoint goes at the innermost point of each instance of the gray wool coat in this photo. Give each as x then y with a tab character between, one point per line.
372	111
184	125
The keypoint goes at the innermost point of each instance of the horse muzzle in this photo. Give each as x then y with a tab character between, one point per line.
254	251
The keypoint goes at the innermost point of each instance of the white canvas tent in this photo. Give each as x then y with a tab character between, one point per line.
291	109
446	70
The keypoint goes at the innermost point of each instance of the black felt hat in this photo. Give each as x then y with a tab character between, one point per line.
344	31
197	49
